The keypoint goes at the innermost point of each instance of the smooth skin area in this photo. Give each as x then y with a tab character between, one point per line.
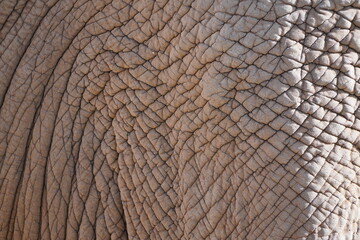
180	119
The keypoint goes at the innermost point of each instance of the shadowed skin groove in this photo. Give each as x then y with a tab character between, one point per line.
231	119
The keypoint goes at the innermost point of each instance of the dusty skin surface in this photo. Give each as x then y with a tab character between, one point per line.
179	119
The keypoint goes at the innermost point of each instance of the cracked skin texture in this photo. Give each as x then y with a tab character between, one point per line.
179	119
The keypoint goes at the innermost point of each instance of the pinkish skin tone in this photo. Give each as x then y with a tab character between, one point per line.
179	119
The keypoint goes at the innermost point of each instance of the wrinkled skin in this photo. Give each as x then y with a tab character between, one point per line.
179	119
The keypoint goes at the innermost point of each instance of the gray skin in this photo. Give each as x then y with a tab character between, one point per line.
179	119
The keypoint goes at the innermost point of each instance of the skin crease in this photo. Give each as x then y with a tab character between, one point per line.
179	119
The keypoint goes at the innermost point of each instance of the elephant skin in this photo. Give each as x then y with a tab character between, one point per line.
204	119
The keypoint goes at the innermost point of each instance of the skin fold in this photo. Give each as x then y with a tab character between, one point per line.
176	119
